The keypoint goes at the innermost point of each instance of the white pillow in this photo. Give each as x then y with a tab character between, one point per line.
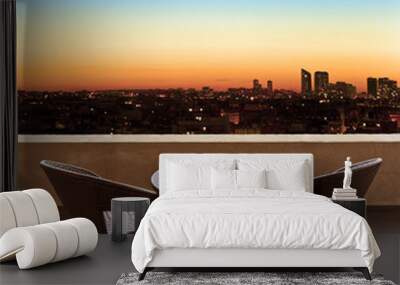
227	179
291	175
292	179
181	177
223	179
193	173
251	178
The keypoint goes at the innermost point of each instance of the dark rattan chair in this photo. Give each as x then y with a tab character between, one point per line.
85	194
363	174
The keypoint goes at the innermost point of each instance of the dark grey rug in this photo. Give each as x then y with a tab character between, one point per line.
243	278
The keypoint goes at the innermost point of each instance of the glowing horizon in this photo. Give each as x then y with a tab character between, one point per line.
125	44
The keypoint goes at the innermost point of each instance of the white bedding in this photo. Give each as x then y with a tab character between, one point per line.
250	219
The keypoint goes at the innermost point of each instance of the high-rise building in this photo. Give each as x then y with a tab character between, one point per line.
270	87
321	81
345	89
382	82
372	86
305	82
257	87
386	82
387	87
256	83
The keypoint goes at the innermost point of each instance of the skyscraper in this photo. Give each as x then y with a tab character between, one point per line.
321	81
269	87
257	86
386	87
386	82
345	89
305	82
372	86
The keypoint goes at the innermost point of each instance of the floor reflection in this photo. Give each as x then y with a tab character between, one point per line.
388	264
385	224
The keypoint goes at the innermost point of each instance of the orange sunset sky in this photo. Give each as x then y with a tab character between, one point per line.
99	44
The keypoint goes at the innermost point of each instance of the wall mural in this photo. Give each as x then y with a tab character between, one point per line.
208	67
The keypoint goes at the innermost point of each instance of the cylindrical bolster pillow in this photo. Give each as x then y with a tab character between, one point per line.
26	208
33	246
87	234
41	244
24	211
7	218
67	240
45	206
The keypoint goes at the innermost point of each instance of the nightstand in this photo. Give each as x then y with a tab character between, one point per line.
120	210
358	205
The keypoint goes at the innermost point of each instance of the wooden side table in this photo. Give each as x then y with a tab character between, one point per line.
137	205
357	205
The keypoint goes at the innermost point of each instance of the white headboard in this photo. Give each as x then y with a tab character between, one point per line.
167	157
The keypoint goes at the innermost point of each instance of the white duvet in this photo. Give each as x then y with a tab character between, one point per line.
250	219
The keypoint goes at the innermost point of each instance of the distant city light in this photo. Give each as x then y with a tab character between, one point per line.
321	107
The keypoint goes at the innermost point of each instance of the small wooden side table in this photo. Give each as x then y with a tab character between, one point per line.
137	205
357	205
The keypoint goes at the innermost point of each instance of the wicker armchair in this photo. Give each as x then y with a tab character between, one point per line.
363	174
85	194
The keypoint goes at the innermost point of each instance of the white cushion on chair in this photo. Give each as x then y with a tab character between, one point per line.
87	233
33	246
46	207
7	220
23	208
67	240
41	244
27	208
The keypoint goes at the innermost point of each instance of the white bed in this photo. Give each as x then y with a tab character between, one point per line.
249	227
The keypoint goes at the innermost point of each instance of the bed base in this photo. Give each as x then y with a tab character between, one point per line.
363	270
242	259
